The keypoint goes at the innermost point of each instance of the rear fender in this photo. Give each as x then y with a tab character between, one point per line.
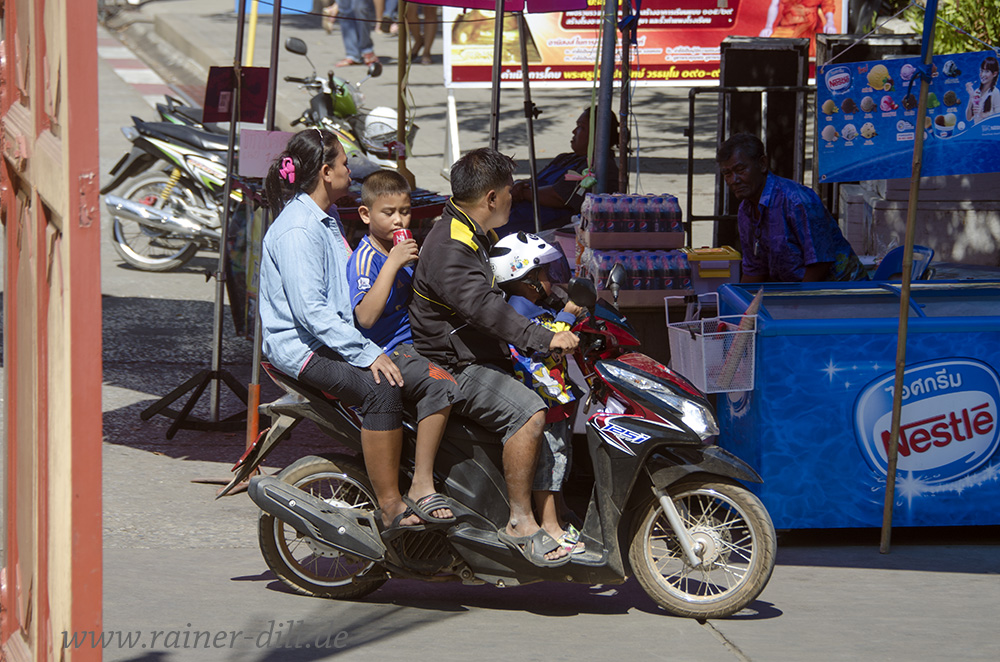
131	164
265	442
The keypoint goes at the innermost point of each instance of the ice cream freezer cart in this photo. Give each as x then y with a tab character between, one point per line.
816	425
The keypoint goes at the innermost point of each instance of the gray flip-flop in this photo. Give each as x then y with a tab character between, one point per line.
534	548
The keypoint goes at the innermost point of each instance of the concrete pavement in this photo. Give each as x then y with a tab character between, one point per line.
178	563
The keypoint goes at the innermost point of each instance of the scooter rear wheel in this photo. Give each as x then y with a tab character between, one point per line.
737	549
305	565
143	247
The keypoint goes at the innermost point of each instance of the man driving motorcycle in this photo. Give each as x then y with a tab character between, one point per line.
461	320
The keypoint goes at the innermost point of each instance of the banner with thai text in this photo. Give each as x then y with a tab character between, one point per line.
677	41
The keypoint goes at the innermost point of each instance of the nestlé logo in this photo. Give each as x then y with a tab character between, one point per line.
948	423
838	80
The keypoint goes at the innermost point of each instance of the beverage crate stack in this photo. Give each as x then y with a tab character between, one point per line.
638	231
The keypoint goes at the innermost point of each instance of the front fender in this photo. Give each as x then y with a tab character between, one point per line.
667	465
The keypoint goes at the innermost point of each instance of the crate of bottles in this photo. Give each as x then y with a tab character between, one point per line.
613	220
650	275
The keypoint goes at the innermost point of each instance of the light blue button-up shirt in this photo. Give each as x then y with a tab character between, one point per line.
304	298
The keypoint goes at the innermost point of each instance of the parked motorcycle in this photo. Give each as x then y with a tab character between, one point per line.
338	105
666	506
174	206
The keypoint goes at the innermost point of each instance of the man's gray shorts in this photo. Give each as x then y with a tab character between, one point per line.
496	400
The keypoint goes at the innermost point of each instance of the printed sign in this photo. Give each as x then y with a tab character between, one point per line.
867	116
677	43
948	424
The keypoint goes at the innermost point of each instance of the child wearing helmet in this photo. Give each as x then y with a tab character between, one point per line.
521	264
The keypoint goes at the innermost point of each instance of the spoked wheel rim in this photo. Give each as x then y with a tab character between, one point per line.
725	542
147	245
314	561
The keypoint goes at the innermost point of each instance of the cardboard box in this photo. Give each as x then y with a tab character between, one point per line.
631	240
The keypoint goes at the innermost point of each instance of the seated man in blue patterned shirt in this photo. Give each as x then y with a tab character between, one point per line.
786	234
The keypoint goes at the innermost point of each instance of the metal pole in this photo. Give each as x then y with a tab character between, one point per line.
904	290
403	57
529	115
602	134
623	109
497	63
220	276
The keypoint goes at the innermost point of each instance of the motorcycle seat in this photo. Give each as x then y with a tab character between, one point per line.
210	142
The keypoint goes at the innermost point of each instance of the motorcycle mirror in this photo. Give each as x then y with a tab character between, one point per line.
296	45
616	279
375	69
582	292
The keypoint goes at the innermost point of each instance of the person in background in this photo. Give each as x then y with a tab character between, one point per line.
560	195
423	29
306	316
800	19
357	20
786	234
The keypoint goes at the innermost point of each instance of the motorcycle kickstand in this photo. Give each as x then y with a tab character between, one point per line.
688	544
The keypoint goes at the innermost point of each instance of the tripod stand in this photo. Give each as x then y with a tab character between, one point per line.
216	375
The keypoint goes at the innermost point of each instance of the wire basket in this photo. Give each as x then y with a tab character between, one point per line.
716	354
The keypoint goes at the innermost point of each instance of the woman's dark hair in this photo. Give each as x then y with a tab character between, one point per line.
746	144
297	168
990	64
479	172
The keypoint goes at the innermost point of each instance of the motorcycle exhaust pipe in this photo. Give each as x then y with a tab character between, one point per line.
350	530
157	219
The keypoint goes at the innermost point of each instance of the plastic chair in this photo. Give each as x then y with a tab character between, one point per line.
891	266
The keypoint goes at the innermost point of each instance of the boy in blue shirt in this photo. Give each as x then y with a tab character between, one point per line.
380	278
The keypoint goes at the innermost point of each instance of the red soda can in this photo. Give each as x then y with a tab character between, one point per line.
401	235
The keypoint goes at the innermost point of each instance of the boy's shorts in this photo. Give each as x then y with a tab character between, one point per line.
496	400
429	387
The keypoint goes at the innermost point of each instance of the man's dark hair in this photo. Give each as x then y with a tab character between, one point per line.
382	182
746	144
479	172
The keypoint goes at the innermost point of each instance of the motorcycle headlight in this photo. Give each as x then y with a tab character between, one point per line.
693	414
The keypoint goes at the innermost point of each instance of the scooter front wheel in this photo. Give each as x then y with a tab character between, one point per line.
734	539
305	565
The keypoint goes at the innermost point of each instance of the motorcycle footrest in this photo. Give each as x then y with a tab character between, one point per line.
351	530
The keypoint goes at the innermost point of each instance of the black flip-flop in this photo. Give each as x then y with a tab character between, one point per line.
396	527
424	507
534	548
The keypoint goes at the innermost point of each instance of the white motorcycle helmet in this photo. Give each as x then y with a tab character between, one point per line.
517	255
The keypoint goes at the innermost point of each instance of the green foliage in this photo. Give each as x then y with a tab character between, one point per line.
980	18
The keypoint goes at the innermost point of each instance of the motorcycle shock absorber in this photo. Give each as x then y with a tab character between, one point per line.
175	177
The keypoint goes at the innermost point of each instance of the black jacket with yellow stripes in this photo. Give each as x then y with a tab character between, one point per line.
458	313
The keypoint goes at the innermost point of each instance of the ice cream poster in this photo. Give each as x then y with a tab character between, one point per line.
867	116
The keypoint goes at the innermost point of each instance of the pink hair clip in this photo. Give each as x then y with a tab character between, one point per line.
287	170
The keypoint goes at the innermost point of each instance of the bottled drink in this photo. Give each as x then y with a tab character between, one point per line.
641	207
626	213
587	210
655	213
654	268
672	214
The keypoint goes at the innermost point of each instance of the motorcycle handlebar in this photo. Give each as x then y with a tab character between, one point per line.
301	81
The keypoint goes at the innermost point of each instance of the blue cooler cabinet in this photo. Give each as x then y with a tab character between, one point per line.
816	426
